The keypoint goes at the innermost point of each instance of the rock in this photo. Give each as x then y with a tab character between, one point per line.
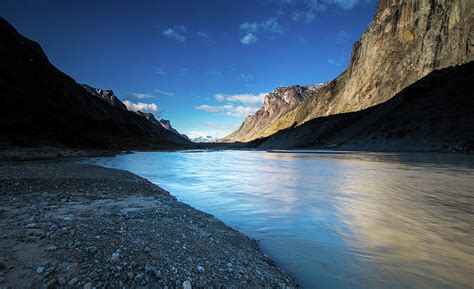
73	281
91	249
130	275
31	226
88	285
51	248
200	269
40	270
187	284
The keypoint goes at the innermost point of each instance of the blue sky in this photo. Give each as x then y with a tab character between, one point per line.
205	64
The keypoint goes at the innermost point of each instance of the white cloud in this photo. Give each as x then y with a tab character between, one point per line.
310	8
142	95
164	92
251	29
228	109
160	71
270	25
203	36
176	33
246	77
249	38
140	106
183	71
246	99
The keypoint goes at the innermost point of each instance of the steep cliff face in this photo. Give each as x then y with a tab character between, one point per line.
105	94
406	40
436	113
275	104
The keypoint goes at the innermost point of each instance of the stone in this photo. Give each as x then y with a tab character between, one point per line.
91	249
200	269
40	270
88	285
73	281
187	284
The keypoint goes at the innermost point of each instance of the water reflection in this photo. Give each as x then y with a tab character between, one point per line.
348	220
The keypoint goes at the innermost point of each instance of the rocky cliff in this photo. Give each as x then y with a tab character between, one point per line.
41	106
435	113
406	40
105	94
275	104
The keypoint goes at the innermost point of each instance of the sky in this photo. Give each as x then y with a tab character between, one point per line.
204	65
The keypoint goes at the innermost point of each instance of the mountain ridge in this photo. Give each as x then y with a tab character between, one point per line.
42	106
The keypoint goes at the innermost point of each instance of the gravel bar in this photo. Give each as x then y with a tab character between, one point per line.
70	225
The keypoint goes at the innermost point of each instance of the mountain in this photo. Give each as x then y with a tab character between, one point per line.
107	95
204	139
41	106
406	40
166	124
275	104
435	113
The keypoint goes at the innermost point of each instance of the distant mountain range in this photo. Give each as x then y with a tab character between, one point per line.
204	139
41	106
406	41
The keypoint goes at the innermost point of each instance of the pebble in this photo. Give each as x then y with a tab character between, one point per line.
88	285
130	275
200	269
51	248
187	285
40	270
31	226
73	281
91	249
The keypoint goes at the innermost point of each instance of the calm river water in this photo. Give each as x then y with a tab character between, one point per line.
334	220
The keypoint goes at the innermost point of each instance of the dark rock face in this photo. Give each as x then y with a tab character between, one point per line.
406	40
166	124
435	113
41	106
275	104
107	95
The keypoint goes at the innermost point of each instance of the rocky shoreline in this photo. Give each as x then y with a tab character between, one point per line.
71	225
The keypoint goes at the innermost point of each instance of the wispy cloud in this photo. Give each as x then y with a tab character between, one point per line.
140	106
307	12
246	99
239	105
342	37
214	73
251	29
176	33
336	61
183	71
246	77
249	38
142	95
204	36
160	71
163	92
228	109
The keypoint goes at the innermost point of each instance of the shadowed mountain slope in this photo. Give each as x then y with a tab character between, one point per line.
41	106
434	114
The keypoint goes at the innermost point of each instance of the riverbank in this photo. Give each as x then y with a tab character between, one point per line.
73	225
